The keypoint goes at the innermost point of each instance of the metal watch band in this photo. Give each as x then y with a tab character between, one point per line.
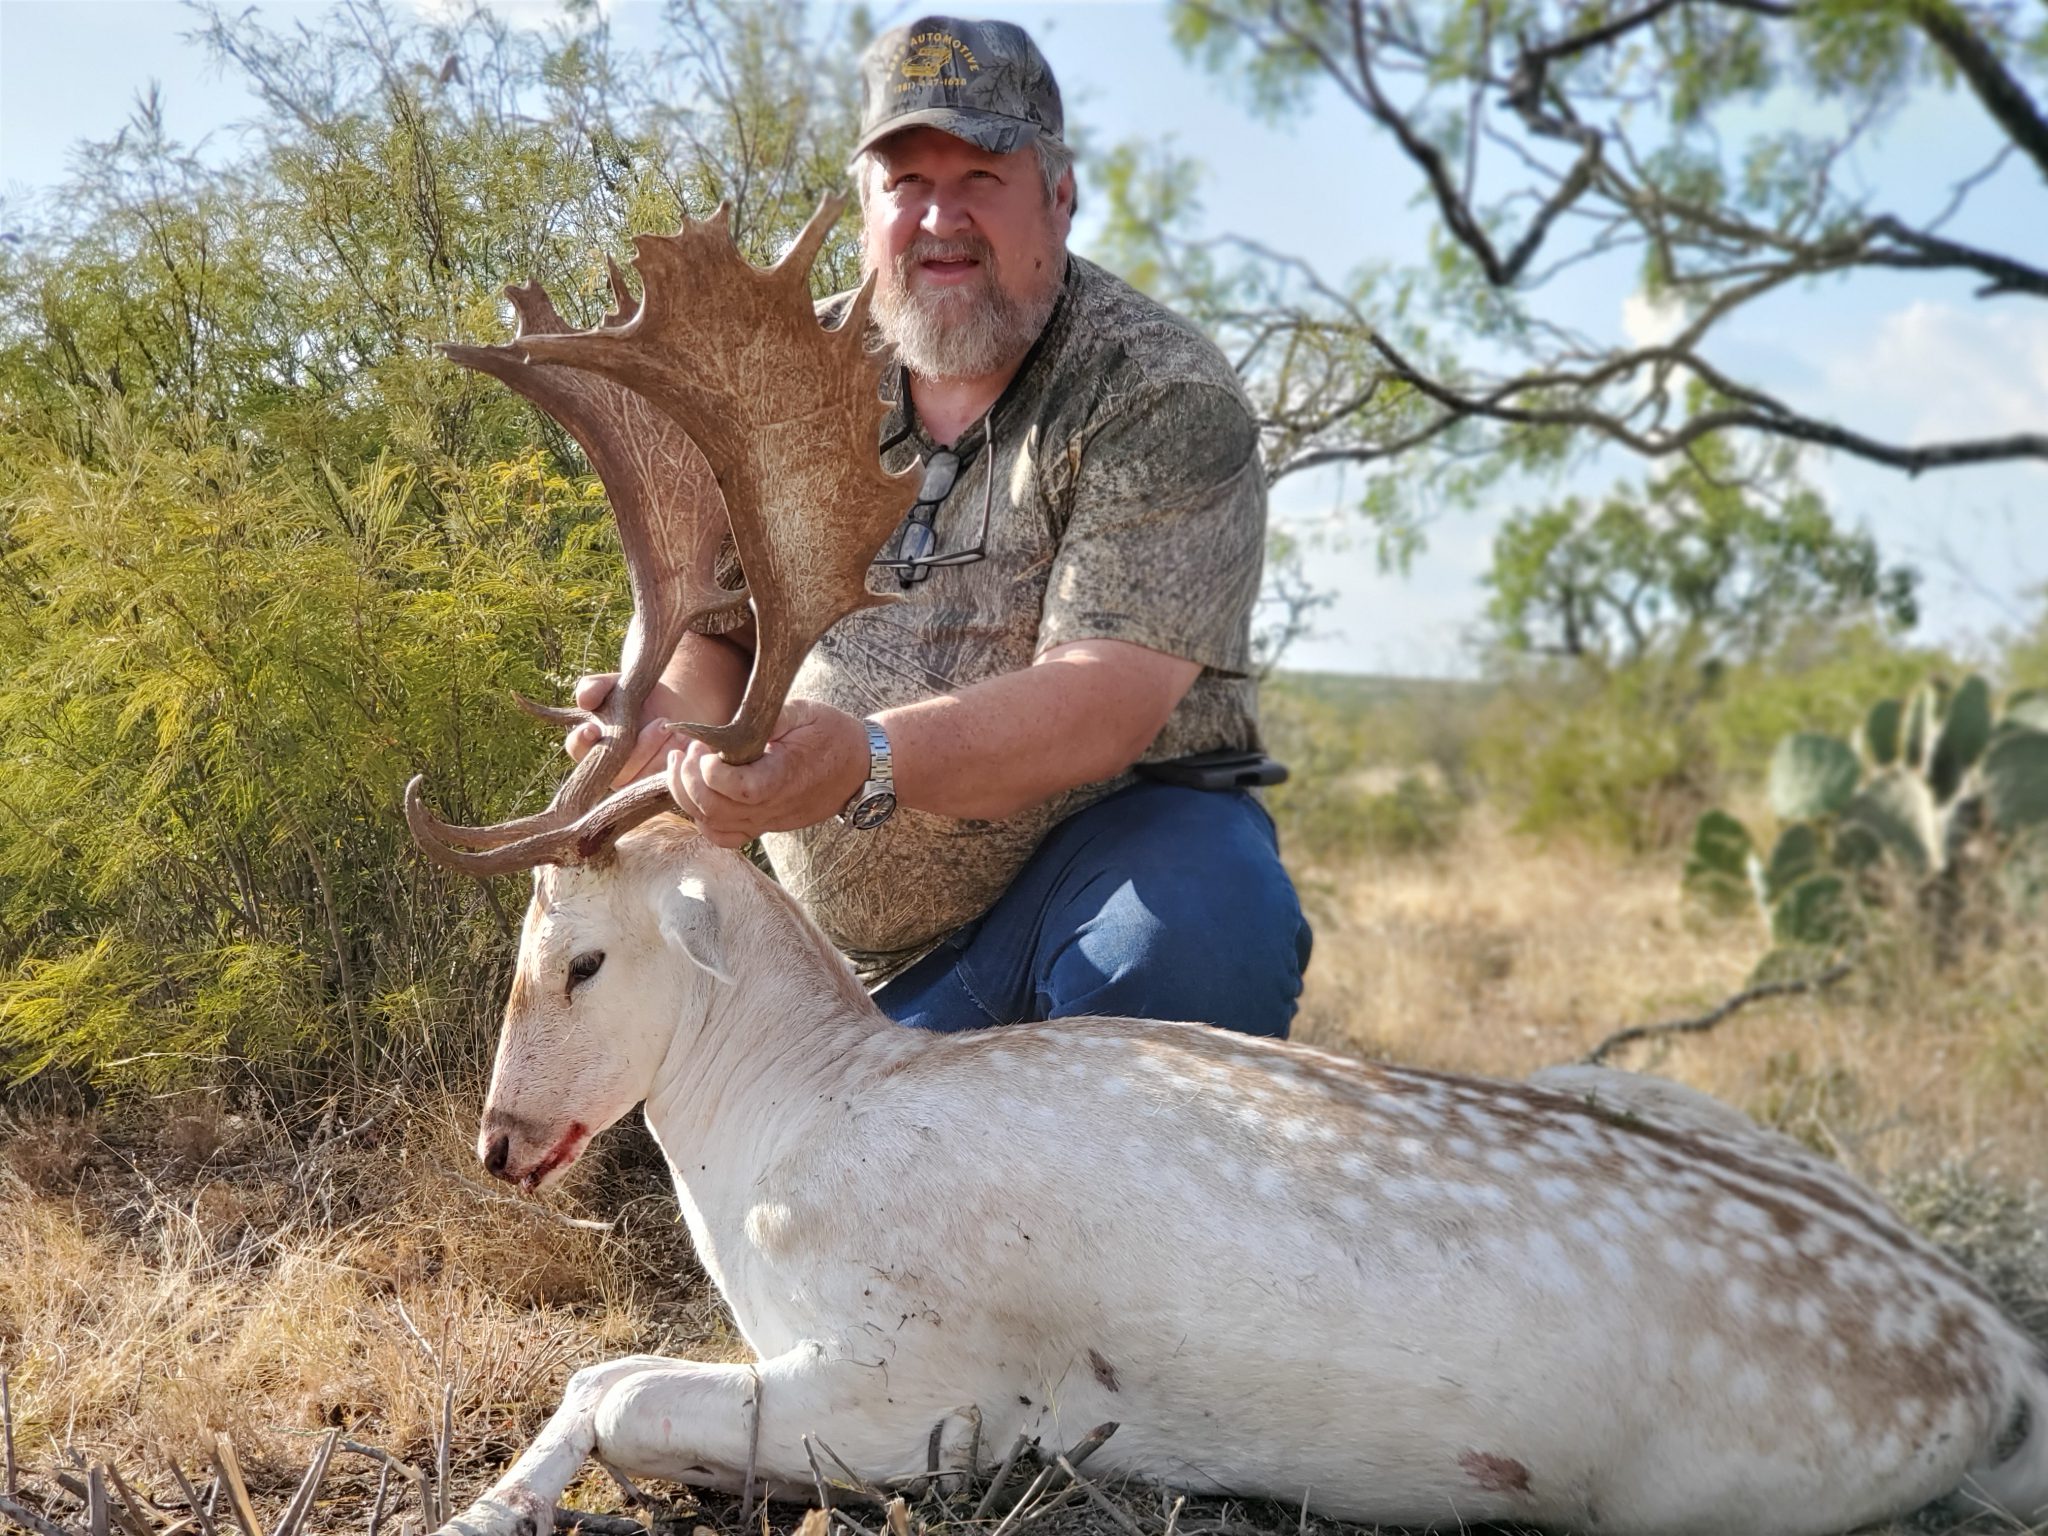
881	761
875	801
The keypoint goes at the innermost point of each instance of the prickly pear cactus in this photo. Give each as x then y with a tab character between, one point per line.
1944	786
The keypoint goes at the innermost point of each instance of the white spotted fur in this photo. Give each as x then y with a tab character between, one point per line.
1597	1301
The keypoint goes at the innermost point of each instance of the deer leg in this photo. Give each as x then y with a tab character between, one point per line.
522	1501
697	1423
693	1423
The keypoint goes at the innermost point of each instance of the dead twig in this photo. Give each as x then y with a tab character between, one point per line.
200	1512
597	1525
96	1502
126	1507
301	1506
859	1484
1082	1449
817	1477
229	1471
1002	1476
1101	1500
377	1508
1713	1016
443	1455
406	1470
8	1483
29	1520
753	1446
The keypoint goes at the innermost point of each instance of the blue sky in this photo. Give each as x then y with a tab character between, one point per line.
1903	356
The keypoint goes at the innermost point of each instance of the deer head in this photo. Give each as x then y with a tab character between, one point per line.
716	403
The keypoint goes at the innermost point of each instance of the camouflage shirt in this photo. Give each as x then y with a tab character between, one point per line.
1126	502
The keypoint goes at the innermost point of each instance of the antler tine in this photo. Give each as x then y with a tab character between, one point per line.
563	715
803	251
576	842
788	416
623	302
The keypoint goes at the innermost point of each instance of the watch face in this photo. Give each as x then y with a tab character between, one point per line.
873	810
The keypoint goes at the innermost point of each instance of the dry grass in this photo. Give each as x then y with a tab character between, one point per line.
183	1272
191	1267
1500	957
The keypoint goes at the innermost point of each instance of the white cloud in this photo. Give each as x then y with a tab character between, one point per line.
1648	322
1931	371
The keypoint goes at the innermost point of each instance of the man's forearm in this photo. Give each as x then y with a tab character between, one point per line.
707	677
1085	712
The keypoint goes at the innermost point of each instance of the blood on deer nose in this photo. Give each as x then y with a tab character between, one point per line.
497	1152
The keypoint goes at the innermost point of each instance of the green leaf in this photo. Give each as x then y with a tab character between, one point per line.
1812	776
1717	865
1899	809
1816	912
1964	734
1923	723
2027	709
1797	855
1856	847
1881	731
2016	780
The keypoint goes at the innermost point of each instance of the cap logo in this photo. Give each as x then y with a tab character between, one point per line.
934	58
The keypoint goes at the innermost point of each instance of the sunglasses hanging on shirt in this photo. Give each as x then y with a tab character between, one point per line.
916	558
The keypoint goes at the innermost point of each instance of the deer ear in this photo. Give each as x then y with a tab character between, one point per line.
689	920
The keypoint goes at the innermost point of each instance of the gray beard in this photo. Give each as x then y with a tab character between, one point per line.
959	333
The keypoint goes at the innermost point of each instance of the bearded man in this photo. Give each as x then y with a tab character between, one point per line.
974	791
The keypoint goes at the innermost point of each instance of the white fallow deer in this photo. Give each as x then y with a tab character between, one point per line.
1597	1302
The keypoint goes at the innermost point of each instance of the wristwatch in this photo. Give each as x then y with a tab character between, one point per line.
875	801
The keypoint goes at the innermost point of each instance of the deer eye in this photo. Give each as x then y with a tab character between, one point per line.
583	967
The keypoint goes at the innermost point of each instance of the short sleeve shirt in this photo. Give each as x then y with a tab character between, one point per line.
1125	500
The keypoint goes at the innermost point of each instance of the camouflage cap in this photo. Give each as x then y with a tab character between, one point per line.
982	81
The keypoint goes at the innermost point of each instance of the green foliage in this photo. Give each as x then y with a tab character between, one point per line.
1687	152
1820	678
1691	561
1812	775
1950	804
1632	754
1717	867
1377	769
1619	756
264	554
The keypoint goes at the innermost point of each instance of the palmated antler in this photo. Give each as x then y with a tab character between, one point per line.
720	379
671	522
788	415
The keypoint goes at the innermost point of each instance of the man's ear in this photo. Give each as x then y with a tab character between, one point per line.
689	920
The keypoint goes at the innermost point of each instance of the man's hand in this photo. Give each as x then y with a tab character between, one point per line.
663	703
815	762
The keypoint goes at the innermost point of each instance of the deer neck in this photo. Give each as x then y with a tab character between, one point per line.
748	1058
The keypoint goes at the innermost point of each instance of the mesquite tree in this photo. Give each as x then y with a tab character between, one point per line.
1545	135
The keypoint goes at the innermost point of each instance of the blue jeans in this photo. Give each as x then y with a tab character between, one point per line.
1159	902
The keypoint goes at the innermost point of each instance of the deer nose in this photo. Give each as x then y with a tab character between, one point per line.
496	1153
